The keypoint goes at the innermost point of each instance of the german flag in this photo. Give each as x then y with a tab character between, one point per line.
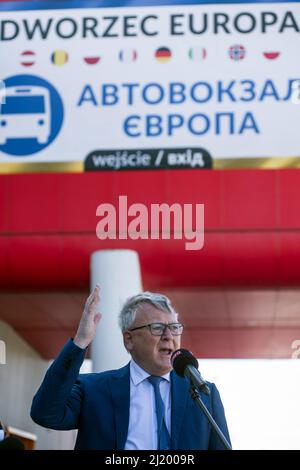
59	57
163	54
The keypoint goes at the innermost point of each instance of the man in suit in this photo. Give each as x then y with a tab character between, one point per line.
143	405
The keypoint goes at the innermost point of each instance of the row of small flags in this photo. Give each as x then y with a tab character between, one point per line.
162	55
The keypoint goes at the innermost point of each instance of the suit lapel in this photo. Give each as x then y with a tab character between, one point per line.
120	391
179	394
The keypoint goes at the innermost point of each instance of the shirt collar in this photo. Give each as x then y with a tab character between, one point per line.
137	374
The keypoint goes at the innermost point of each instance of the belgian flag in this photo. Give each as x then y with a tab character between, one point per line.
59	57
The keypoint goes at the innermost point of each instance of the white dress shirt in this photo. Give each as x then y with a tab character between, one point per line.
142	429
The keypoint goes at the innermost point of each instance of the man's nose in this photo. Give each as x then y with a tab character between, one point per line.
167	333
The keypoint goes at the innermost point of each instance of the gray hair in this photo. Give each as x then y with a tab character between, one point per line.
128	312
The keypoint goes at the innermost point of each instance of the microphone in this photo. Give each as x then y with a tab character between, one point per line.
11	443
186	365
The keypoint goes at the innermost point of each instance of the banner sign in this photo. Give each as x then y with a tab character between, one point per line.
93	86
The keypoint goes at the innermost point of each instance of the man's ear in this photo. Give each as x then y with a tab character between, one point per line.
127	338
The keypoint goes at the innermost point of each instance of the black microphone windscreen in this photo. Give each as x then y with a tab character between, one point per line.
11	443
182	358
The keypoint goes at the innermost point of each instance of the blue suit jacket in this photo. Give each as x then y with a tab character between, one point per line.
98	405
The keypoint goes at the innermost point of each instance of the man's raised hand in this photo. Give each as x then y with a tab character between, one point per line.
89	320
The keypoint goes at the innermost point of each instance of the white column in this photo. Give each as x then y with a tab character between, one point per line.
119	276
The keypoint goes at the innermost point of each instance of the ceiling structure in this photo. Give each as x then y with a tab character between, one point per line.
238	296
218	323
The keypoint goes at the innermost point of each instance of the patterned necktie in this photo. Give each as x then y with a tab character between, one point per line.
163	437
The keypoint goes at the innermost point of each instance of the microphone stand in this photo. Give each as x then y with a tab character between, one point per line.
196	397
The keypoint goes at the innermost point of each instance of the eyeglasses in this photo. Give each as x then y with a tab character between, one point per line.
158	329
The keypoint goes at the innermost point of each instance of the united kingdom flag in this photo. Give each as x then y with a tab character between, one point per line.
237	52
